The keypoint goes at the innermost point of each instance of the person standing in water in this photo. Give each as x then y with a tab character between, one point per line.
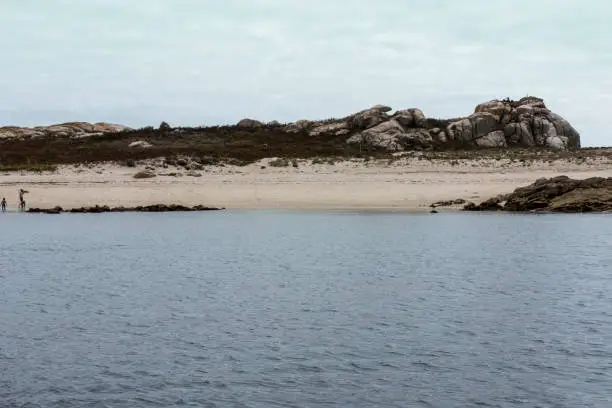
22	203
3	204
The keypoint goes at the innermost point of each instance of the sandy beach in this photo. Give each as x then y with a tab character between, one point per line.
406	184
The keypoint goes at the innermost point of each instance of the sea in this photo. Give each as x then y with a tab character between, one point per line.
305	309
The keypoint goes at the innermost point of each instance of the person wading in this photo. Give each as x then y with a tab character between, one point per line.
22	203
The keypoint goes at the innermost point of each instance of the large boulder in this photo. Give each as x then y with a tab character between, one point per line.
494	107
385	136
559	194
250	124
410	117
519	133
392	136
142	144
473	127
493	139
565	130
369	118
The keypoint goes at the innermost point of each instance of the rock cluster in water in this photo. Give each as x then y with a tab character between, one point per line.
105	209
558	194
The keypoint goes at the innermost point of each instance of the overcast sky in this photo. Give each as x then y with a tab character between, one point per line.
192	62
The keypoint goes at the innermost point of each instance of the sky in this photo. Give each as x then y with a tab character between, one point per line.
209	62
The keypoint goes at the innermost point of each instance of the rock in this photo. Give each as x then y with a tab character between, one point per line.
392	137
564	129
334	128
102	127
54	210
493	139
417	138
543	129
249	124
279	162
559	194
494	107
410	117
532	101
97	209
140	144
492	204
369	118
470	206
385	136
145	174
519	133
273	123
473	127
299	126
62	130
193	174
556	142
448	203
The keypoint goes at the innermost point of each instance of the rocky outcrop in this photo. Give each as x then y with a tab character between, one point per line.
97	209
558	194
494	124
66	130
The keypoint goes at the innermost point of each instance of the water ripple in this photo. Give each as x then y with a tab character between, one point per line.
305	310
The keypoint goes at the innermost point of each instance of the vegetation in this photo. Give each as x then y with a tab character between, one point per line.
232	145
39	168
210	145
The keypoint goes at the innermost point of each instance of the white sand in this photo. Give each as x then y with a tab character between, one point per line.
404	185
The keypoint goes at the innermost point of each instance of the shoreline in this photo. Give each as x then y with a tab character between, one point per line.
405	185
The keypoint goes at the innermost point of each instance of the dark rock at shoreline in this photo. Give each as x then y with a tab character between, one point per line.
97	209
492	204
559	194
54	210
448	203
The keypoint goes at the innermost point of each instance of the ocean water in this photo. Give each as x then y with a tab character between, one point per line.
287	309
